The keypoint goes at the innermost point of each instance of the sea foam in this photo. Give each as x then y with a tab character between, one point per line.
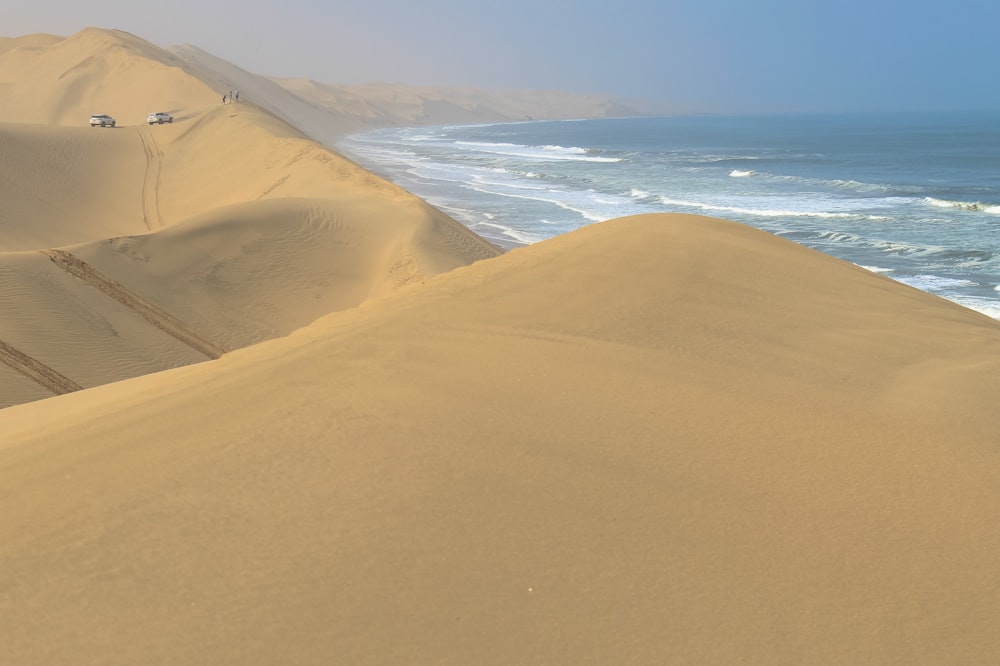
544	152
978	206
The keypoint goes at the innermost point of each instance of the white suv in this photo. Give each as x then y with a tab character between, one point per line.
159	118
101	120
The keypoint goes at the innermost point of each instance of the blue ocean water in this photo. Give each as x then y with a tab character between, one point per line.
913	196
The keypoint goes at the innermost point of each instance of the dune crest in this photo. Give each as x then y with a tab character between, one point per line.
95	71
585	443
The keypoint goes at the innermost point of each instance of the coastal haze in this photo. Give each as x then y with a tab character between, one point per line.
263	406
724	56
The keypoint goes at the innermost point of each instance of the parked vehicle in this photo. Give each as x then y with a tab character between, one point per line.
159	118
101	120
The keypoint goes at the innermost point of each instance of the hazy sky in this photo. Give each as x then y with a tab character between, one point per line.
703	55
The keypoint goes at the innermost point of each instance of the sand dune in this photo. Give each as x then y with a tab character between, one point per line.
591	450
661	439
258	234
94	71
114	72
263	231
68	185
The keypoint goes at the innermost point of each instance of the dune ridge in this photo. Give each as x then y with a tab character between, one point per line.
326	111
94	71
265	230
659	439
420	479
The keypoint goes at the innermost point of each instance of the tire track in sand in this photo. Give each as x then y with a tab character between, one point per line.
36	370
151	181
151	313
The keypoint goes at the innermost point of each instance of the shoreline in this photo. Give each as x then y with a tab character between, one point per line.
500	183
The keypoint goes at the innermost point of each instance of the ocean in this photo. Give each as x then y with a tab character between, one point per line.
915	197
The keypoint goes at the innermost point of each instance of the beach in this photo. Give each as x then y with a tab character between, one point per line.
263	406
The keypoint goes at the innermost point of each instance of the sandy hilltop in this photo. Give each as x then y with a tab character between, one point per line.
263	407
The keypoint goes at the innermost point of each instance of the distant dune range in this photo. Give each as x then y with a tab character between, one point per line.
265	407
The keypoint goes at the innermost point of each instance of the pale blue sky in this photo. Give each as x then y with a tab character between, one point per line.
703	55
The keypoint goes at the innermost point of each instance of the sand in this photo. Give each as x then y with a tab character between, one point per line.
324	423
231	224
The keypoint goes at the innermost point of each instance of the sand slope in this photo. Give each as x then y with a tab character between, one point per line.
663	439
68	185
256	235
132	250
94	71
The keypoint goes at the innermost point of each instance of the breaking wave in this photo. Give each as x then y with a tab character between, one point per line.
977	206
545	152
